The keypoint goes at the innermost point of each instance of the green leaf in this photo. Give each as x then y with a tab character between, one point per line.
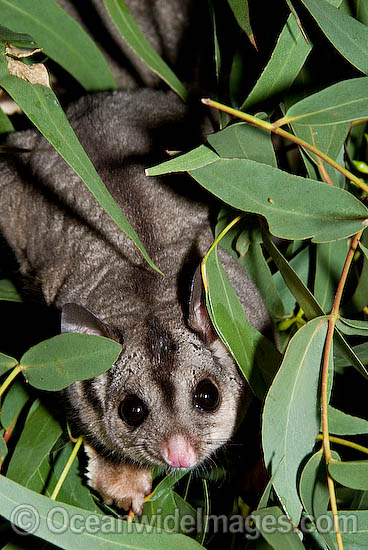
240	140
61	38
15	399
349	36
352	327
8	291
359	298
352	474
18	39
3	450
5	124
110	533
201	156
295	284
39	435
286	60
329	140
167	507
57	362
74	490
314	492
259	271
361	351
340	103
362	11
240	9
43	109
300	266
308	302
166	484
291	416
6	363
276	529
329	263
340	423
364	249
295	207
230	322
131	33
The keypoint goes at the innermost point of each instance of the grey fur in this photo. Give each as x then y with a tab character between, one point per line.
76	254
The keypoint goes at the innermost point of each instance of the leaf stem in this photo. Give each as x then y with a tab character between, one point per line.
281	132
345	443
66	469
213	245
10	379
324	384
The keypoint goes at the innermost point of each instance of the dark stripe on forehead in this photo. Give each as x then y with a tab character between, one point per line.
92	396
160	345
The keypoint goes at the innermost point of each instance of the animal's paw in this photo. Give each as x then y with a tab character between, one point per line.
124	485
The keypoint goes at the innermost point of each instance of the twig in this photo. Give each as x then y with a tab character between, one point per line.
281	132
324	384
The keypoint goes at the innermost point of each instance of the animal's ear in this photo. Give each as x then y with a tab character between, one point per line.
199	319
75	318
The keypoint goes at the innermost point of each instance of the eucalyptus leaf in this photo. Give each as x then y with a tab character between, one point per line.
295	207
259	271
8	292
287	59
18	39
74	490
15	399
110	534
308	302
295	284
57	362
300	265
359	298
340	103
240	9
315	494
201	156
330	259
39	435
230	321
61	38
167	483
43	109
291	419
352	327
362	11
3	450
361	351
327	139
131	33
349	36
364	249
240	140
171	513
352	474
5	124
276	529
6	363
340	423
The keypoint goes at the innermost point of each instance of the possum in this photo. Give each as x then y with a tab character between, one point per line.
175	395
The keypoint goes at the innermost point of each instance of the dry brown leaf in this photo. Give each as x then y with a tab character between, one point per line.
8	105
34	74
20	52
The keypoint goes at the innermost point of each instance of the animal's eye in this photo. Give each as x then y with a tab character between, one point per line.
133	411
206	396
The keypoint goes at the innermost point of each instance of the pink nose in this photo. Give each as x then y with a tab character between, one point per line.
179	453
